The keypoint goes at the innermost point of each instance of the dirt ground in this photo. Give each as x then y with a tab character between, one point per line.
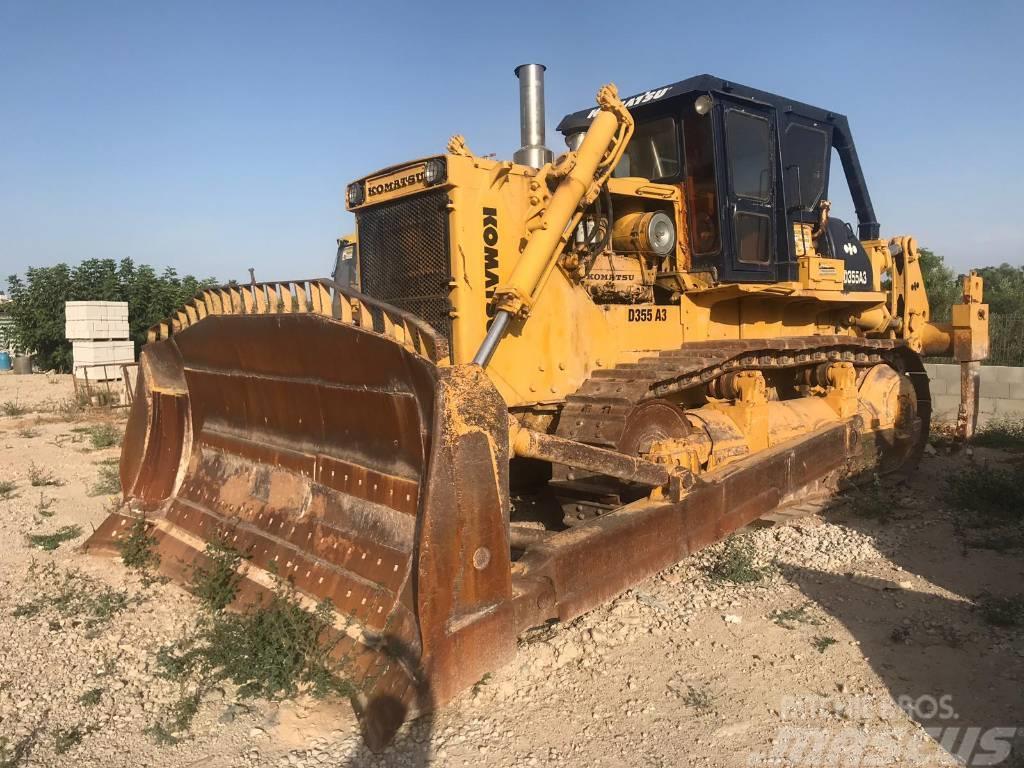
862	645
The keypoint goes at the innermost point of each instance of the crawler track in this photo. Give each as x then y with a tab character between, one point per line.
599	411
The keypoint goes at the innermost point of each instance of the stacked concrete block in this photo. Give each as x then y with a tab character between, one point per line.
1000	392
98	331
96	320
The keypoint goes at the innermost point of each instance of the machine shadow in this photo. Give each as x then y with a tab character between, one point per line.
941	662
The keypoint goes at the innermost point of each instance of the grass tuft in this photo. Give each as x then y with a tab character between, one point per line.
28	432
7	489
50	541
104	436
109	481
38	477
13	408
1006	434
698	698
736	562
69	410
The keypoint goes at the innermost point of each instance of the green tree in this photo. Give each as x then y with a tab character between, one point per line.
37	305
941	283
1004	289
37	308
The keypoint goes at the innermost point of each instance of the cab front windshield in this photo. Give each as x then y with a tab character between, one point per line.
652	153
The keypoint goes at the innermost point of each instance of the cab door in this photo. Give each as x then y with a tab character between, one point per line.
749	150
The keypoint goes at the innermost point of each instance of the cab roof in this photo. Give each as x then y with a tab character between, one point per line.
694	86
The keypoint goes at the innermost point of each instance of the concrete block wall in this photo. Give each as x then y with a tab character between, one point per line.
1001	393
96	320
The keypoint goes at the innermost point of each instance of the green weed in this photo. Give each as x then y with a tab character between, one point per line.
217	585
65	739
38	476
736	562
50	541
822	644
109	481
104	436
272	650
791	617
989	502
991	494
91	697
137	547
177	719
1006	434
72	595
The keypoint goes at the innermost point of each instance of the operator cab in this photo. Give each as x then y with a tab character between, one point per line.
753	168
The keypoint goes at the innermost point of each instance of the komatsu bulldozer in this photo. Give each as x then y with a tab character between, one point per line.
533	383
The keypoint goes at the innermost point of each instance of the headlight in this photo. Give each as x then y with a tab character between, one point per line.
703	105
661	234
652	232
435	171
355	194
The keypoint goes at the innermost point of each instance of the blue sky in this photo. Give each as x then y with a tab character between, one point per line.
214	136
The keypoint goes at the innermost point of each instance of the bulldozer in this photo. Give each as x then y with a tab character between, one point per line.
533	383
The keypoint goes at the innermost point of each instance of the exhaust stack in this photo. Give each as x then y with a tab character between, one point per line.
531	116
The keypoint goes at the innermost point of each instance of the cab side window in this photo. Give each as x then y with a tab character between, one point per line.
805	149
700	186
652	153
749	149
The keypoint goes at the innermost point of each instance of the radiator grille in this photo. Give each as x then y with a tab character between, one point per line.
404	258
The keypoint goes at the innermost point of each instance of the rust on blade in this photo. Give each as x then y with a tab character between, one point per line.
332	453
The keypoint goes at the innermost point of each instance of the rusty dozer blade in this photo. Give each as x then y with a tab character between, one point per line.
340	458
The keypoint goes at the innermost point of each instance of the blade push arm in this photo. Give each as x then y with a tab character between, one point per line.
965	338
581	175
